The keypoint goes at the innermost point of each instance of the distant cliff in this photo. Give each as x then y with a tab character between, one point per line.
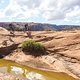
37	26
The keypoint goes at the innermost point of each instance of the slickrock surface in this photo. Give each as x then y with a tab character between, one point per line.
63	48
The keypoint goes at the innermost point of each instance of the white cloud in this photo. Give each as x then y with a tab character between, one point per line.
75	13
48	9
1	15
21	9
61	9
30	4
12	9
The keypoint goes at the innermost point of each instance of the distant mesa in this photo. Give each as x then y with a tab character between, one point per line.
38	26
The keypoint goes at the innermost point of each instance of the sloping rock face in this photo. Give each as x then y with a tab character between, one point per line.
63	48
5	37
3	29
64	51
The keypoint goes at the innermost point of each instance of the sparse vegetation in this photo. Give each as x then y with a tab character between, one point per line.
11	26
48	30
33	47
28	30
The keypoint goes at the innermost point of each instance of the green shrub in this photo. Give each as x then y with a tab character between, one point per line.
33	47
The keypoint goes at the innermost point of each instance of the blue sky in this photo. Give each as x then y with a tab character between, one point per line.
3	4
42	11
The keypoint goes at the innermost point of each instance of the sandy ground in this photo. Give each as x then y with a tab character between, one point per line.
63	48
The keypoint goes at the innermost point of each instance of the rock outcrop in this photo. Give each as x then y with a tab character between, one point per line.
63	48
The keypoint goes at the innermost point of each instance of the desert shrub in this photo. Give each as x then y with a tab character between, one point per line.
33	47
18	29
48	29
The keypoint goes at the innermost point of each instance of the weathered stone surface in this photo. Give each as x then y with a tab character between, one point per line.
63	48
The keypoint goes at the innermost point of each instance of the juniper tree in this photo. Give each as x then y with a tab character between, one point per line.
28	30
11	27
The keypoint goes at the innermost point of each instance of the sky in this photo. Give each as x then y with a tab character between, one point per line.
60	12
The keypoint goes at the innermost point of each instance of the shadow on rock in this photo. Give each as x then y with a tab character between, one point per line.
4	51
36	54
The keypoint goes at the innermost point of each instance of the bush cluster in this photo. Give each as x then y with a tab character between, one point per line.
32	46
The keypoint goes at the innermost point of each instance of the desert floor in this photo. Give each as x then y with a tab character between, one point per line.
63	48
